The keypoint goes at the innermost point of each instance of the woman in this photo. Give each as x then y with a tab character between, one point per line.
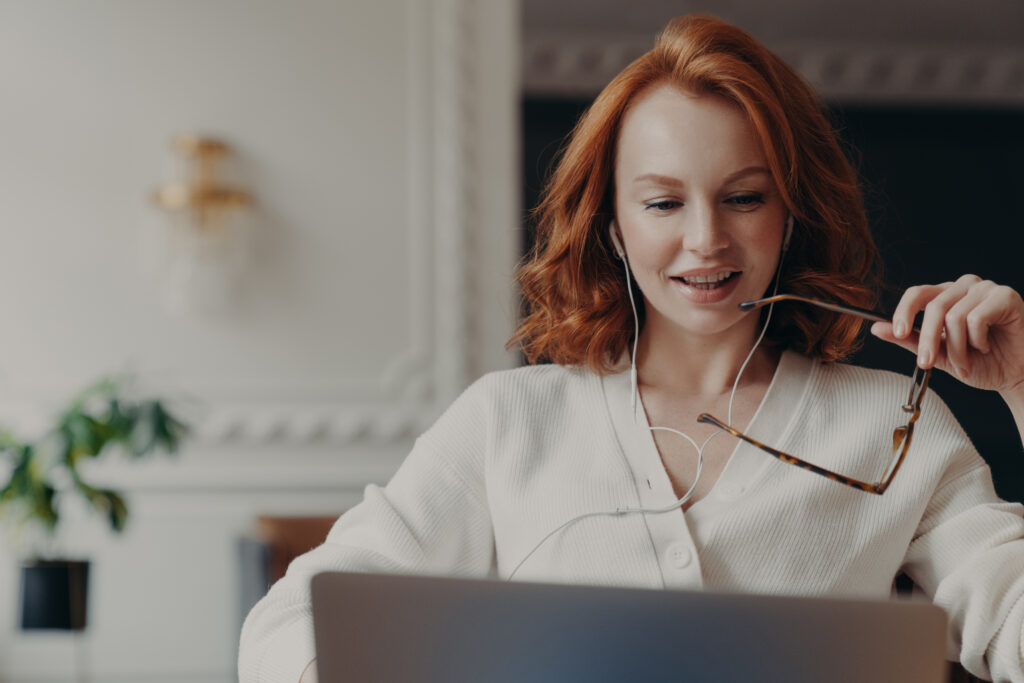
702	177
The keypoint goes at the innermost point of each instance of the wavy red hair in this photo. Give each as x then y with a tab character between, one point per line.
577	306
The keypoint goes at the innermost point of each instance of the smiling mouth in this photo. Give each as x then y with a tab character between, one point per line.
707	281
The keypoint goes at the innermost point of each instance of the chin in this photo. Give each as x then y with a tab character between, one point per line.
712	323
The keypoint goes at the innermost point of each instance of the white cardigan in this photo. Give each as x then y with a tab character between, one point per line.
523	451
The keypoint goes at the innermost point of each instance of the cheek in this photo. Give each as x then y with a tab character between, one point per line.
648	248
651	257
763	237
770	245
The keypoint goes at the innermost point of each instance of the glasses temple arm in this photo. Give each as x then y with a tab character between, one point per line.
828	305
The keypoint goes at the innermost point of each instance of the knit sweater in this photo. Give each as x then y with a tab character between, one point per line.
523	451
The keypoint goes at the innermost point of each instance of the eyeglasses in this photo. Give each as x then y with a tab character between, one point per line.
901	436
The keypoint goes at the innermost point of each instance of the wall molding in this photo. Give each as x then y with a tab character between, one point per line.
579	66
452	104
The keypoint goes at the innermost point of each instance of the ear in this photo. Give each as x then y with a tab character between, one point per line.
613	232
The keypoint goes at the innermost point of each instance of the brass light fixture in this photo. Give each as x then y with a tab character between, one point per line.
205	250
209	202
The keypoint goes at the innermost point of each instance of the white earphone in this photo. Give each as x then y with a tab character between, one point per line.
619	251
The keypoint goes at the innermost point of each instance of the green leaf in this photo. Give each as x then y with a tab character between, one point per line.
118	511
85	436
43	507
96	419
169	430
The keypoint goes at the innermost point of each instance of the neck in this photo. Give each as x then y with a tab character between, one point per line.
707	366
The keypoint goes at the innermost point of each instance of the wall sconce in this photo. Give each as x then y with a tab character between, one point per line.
206	250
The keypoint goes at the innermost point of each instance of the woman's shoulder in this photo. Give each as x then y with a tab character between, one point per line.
829	385
856	384
536	383
524	395
539	374
864	378
529	392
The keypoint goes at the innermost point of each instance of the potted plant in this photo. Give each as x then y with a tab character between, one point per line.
45	471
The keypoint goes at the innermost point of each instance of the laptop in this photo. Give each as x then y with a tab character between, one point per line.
399	629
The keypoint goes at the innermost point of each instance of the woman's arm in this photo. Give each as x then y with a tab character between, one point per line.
432	517
969	552
968	556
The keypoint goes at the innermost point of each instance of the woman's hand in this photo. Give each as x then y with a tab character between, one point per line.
972	329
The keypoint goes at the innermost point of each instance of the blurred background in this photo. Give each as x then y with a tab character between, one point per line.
298	223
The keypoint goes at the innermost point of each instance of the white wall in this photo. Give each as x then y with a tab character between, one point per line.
380	141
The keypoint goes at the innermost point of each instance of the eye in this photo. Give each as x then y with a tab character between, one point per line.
747	201
662	205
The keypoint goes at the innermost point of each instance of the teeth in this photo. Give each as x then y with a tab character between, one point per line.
707	279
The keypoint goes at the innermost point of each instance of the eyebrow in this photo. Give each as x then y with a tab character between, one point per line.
675	182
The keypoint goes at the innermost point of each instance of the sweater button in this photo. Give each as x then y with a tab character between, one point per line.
679	556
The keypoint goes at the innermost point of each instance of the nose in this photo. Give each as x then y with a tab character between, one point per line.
705	235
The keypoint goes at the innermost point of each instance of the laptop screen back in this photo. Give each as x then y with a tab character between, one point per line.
400	629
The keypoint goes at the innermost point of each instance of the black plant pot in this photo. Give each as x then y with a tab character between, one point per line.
53	594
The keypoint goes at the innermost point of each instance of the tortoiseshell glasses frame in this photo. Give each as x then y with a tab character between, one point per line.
901	436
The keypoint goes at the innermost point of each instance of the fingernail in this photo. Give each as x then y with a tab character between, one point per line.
899	329
924	359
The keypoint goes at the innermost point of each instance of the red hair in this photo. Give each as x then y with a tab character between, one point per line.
577	306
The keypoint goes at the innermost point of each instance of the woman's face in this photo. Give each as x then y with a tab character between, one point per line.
697	209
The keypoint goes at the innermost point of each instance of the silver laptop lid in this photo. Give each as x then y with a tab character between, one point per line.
399	629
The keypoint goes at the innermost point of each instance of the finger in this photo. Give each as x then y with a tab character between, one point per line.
929	347
1000	305
912	301
977	333
957	335
932	326
885	332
